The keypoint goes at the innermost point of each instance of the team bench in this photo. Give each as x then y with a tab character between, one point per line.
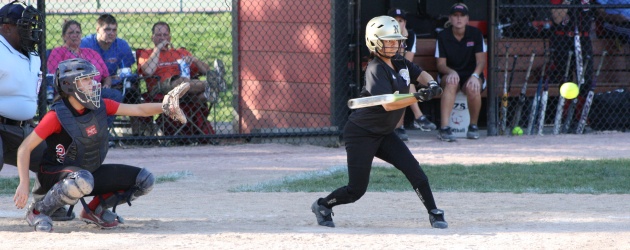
615	71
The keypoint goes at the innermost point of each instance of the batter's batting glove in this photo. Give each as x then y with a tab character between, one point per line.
423	95
170	104
435	88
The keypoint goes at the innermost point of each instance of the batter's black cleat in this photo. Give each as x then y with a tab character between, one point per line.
323	215
436	217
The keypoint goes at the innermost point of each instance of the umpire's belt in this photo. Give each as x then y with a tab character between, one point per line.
7	121
571	33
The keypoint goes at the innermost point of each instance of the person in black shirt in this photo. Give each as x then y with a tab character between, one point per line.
408	52
369	131
461	58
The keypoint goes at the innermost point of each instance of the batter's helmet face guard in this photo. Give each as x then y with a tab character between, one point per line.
382	28
28	21
75	77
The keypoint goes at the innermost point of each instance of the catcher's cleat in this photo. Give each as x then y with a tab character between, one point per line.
103	218
323	215
61	214
436	217
40	221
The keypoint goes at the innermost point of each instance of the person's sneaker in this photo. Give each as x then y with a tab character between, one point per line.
402	134
103	218
445	134
40	222
61	214
473	132
436	217
323	214
424	124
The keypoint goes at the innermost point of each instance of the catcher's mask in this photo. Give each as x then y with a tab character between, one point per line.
28	21
380	29
75	77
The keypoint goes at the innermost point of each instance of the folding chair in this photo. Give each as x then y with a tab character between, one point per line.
195	111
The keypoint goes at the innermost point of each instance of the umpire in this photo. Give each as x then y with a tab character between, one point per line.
20	76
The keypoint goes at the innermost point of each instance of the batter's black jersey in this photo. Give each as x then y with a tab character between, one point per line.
460	55
381	79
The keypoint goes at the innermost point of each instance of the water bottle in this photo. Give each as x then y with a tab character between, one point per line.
184	68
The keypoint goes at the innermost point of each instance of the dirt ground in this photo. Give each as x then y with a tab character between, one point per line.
198	212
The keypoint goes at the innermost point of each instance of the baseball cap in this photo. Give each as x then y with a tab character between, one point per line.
395	12
460	7
11	12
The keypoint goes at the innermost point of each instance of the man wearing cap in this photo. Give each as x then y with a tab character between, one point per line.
461	59
20	79
408	52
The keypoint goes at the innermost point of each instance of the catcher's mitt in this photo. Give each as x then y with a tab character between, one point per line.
170	104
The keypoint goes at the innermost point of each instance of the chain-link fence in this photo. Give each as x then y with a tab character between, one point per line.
540	46
258	70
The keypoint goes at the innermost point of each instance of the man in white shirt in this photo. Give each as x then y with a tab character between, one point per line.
20	79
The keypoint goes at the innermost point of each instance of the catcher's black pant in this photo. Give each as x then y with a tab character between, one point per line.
560	47
361	148
107	178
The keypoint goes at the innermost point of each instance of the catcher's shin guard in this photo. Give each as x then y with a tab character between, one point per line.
144	184
66	192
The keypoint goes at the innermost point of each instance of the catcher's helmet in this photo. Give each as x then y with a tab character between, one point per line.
74	77
28	21
379	29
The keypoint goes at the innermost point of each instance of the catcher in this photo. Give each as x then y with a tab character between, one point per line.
71	168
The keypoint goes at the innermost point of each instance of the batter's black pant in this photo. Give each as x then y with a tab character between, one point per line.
361	148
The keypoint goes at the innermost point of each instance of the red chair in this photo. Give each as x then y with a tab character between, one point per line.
196	112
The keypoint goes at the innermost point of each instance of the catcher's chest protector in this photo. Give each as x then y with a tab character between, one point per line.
89	136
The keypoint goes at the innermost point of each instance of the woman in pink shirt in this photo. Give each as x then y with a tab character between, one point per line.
71	34
71	31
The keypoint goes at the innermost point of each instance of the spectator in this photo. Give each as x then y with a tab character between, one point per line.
19	71
369	132
461	58
420	121
565	22
71	34
114	51
162	61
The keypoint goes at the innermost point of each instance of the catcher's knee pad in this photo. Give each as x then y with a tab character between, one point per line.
66	192
144	182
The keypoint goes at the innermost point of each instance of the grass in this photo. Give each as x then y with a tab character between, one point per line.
569	176
8	185
207	36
